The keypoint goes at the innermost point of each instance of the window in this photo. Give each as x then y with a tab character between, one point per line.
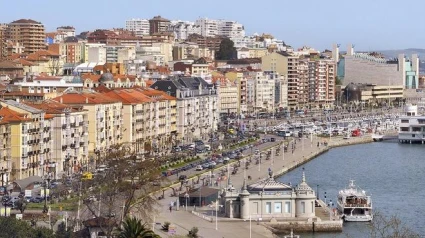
302	207
312	207
277	207
268	207
404	128
287	207
416	129
404	121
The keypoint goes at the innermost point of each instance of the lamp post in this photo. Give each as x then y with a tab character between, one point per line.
216	212
186	196
47	182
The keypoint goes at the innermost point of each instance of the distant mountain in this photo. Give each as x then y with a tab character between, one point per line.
408	53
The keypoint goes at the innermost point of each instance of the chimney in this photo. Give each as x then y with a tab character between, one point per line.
87	100
61	100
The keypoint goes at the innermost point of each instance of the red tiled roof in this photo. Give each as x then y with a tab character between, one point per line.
50	106
12	116
23	62
85	98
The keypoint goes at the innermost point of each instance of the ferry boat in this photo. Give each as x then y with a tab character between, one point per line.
354	205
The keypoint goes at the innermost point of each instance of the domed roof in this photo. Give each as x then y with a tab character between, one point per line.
352	87
106	78
269	184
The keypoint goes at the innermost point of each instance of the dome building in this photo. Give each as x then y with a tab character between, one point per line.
269	199
107	79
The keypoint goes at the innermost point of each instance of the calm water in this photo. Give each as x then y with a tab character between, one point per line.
392	173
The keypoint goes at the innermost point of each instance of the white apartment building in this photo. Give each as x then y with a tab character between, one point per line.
69	136
67	31
140	27
182	29
116	54
210	28
197	106
97	55
264	92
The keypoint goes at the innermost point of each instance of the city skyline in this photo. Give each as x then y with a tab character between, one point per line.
369	25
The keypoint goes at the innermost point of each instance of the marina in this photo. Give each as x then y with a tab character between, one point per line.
392	178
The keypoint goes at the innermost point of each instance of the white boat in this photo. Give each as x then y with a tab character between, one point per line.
354	205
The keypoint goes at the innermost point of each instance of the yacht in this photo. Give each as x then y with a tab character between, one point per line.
354	205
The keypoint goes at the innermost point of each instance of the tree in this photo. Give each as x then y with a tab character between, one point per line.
133	228
127	185
389	227
338	81
193	233
11	227
227	50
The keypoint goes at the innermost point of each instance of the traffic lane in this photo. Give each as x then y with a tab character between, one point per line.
192	171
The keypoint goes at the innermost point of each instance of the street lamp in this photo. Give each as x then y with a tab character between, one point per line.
47	182
216	212
186	196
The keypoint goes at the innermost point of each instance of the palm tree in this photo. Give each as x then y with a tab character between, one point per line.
133	228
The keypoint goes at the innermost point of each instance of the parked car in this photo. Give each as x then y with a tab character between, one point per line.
199	168
182	177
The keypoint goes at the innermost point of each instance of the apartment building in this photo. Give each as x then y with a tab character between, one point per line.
211	28
3	42
104	112
31	140
212	43
140	27
163	120
183	29
228	95
241	82
158	24
264	97
286	64
321	82
102	36
5	149
72	50
27	32
197	106
67	31
69	128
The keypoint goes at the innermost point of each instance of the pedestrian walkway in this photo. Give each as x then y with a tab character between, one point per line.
304	150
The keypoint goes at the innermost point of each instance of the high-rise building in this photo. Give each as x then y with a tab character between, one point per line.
27	32
3	44
210	27
158	25
183	29
140	27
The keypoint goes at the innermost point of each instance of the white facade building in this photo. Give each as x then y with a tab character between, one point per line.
182	29
140	27
97	55
264	92
211	28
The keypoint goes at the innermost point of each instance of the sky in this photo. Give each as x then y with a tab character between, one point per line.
368	24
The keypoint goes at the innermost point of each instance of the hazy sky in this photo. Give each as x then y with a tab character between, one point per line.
369	24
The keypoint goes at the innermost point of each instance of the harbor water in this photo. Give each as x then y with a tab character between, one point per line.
392	173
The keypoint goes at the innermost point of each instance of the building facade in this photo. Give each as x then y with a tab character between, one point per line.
5	150
269	199
140	27
31	140
27	32
69	135
158	24
197	106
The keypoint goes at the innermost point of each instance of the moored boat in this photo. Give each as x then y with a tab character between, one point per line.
354	204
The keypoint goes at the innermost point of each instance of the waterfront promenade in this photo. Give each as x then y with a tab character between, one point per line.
184	220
